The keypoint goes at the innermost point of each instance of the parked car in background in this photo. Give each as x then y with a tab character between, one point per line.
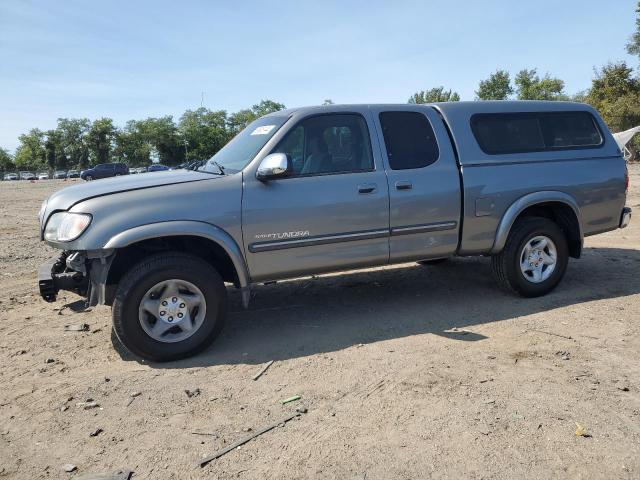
73	174
157	167
11	176
59	174
43	176
139	169
27	176
321	189
105	170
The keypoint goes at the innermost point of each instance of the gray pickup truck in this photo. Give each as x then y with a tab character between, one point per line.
320	189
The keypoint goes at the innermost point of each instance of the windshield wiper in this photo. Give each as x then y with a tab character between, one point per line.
220	167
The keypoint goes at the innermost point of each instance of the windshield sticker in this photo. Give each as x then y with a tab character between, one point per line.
263	130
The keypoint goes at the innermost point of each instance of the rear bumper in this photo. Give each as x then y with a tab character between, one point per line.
625	217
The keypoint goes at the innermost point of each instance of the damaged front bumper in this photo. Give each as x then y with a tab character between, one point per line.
82	272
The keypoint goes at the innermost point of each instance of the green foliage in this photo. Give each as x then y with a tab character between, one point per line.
6	161
73	133
529	86
100	140
205	132
242	118
496	87
54	150
327	101
615	93
633	47
437	94
31	154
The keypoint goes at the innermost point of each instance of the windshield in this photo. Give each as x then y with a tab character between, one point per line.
236	154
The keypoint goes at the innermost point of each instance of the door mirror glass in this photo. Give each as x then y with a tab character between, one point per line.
275	165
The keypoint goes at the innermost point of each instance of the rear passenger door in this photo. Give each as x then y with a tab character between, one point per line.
424	183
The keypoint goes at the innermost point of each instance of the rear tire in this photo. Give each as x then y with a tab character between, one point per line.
88	178
148	283
534	258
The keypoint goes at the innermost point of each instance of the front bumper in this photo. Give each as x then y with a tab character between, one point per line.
84	273
625	218
54	275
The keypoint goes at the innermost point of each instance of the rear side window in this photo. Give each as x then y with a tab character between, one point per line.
409	140
502	133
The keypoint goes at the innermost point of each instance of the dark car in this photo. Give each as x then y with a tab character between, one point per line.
60	174
157	168
105	170
73	174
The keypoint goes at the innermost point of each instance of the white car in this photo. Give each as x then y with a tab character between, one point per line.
43	176
11	176
27	176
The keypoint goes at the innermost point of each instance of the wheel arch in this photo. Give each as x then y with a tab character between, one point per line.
560	207
201	239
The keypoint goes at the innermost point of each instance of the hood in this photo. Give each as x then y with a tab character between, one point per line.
67	197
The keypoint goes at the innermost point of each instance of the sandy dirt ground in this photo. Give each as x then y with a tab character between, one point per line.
407	372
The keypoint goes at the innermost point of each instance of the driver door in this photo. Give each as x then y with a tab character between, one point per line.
331	213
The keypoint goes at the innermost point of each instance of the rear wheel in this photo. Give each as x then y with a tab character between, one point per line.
169	306
88	178
534	258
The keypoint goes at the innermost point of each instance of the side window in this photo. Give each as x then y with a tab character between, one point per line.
409	139
326	144
503	133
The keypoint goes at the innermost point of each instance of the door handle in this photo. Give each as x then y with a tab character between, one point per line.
404	185
367	188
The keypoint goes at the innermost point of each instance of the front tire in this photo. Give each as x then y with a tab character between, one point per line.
534	258
169	306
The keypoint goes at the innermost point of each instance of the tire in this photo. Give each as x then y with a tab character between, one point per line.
506	265
134	325
435	261
88	178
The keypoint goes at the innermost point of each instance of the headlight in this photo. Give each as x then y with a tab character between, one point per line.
65	226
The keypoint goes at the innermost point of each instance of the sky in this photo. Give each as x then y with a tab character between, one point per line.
138	59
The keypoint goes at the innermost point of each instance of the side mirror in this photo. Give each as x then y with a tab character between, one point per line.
275	165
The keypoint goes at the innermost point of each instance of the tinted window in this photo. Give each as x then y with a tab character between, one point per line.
325	144
409	140
503	133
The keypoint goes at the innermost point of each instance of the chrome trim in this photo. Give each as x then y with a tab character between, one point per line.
318	240
430	227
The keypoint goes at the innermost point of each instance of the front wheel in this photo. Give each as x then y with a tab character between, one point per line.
169	306
88	178
534	258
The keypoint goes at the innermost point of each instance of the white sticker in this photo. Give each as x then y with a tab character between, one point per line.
263	130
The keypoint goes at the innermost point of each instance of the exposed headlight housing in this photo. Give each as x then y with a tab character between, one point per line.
66	226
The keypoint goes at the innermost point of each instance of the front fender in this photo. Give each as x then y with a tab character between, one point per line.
189	228
517	207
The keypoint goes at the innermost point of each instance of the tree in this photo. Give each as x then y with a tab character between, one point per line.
30	154
328	101
437	94
529	86
54	150
615	93
131	146
496	87
205	132
242	118
633	47
74	140
6	161
100	140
